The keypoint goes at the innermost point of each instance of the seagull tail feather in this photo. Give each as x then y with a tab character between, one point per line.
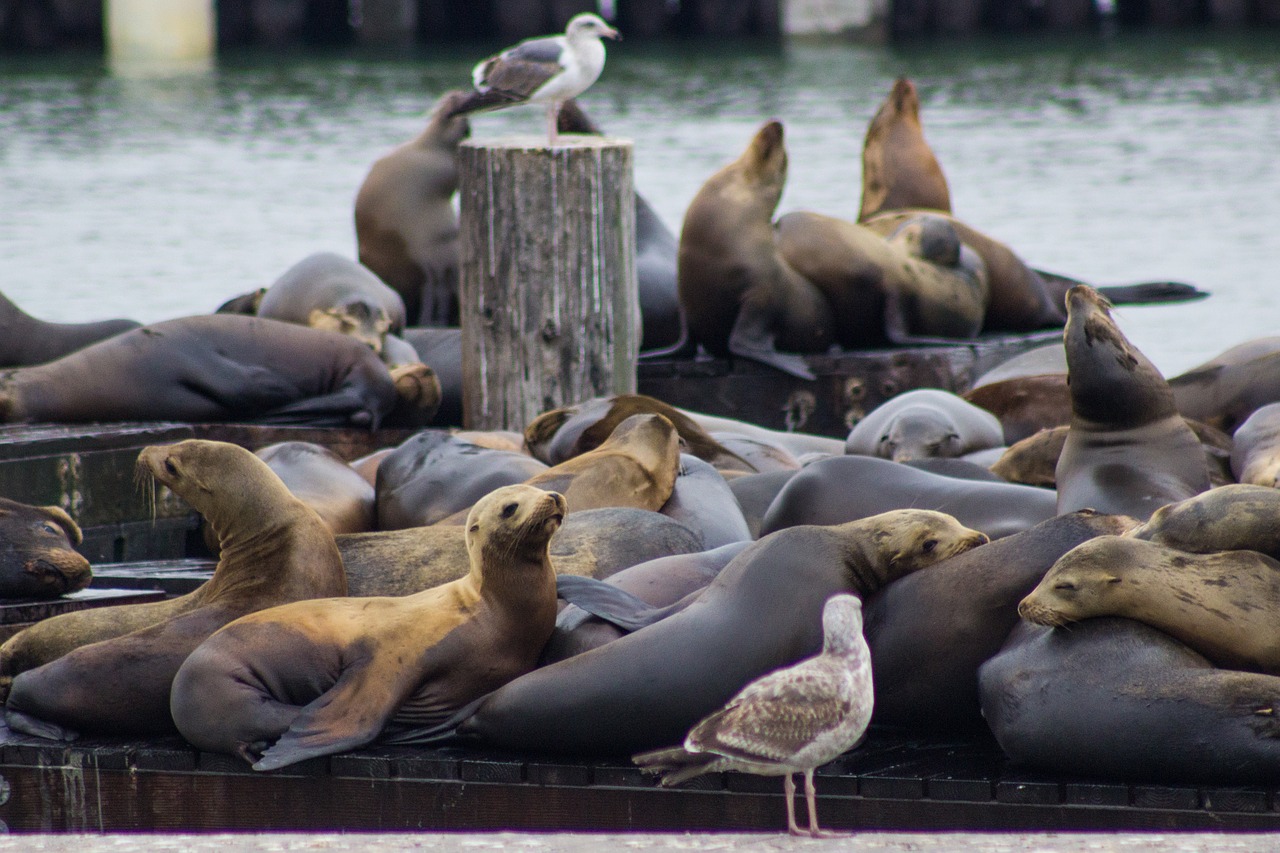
481	101
676	764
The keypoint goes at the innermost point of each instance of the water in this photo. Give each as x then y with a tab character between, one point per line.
1118	159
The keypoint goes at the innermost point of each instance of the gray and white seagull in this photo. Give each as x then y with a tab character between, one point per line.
548	70
789	721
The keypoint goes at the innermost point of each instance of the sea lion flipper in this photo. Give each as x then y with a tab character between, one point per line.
29	725
606	601
348	715
751	338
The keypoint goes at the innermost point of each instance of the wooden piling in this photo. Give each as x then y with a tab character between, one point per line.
163	35
550	313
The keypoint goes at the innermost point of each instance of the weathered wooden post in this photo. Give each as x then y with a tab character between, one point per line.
161	34
550	313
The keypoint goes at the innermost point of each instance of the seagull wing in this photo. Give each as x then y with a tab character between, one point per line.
775	717
520	71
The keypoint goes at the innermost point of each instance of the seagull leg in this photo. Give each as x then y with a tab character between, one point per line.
789	786
810	799
553	118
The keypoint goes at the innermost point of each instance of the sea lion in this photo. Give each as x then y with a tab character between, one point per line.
899	169
1018	299
1226	518
406	228
1255	449
759	454
219	367
1128	451
922	423
442	349
558	435
646	689
930	631
841	488
323	481
1043	360
319	677
702	501
916	284
740	297
1222	605
1115	699
37	552
798	443
433	475
1025	405
593	543
109	669
755	493
327	291
656	249
24	340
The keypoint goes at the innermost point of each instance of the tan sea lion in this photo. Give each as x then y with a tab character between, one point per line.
1128	451
323	481
1255	450
406	227
899	169
1223	605
109	669
740	297
315	678
1227	518
915	284
37	552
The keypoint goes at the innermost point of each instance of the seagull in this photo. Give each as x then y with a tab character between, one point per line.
548	70
791	720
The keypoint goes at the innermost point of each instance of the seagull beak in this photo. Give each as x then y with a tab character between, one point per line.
612	33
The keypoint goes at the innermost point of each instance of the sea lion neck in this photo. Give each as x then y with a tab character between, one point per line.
868	571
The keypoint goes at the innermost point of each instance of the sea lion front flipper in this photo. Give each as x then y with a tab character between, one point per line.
752	338
605	601
348	715
36	727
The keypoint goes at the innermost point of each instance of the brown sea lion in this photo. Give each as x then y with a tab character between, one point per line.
646	689
327	291
37	552
899	169
323	481
108	670
1229	387
916	284
319	677
406	227
923	423
560	434
24	340
1223	605
1227	518
1128	451
740	297
1025	404
1255	450
219	367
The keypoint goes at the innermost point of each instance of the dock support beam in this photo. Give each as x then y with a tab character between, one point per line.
550	312
160	33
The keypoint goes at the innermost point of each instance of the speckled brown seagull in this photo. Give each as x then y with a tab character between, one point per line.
789	721
548	70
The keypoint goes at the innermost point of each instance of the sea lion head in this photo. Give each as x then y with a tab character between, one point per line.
1238	516
513	524
445	128
764	163
919	432
908	540
37	557
1086	581
356	318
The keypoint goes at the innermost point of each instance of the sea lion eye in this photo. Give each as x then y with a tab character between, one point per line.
170	467
509	510
929	545
1064	585
473	528
49	527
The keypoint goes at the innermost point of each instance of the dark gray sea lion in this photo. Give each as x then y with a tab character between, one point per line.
739	296
442	349
100	677
702	501
38	558
1222	605
755	493
842	488
327	291
1115	699
433	475
923	423
760	454
930	631
1225	390
761	612
24	340
323	481
324	676
1128	451
406	227
220	367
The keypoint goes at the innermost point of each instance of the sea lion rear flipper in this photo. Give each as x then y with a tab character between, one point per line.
341	408
606	601
350	714
34	726
751	338
1137	293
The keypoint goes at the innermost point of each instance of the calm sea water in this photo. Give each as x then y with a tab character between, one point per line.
1115	159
